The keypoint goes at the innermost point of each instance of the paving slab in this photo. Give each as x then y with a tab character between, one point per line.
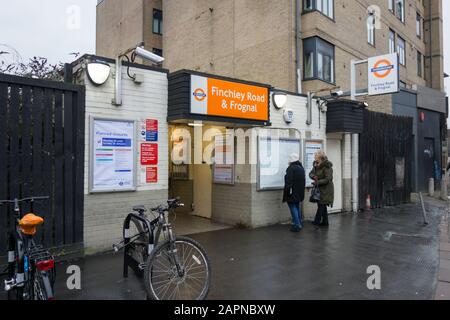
273	263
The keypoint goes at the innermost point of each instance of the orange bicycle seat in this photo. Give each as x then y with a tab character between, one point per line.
29	223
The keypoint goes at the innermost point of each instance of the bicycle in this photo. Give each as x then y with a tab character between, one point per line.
176	268
31	268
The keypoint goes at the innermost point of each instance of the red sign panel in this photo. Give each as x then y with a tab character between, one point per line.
151	125
152	175
149	154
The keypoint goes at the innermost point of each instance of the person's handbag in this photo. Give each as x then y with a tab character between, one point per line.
315	195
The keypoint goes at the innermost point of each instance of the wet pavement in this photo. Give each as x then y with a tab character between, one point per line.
273	263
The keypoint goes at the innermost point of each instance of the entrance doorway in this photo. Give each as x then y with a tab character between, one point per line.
202	191
334	155
192	183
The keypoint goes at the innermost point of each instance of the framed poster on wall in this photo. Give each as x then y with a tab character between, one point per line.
223	167
311	147
112	155
273	155
223	173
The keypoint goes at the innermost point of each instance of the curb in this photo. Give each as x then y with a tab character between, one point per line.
443	284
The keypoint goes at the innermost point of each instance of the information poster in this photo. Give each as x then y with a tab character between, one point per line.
112	155
149	130
149	154
223	172
273	160
311	147
151	175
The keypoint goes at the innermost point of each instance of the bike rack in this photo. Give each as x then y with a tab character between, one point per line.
128	260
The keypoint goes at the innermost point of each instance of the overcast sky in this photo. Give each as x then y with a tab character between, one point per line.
55	28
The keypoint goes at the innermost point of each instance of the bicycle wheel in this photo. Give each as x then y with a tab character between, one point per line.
162	280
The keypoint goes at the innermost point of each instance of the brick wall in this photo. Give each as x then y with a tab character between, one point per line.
119	26
243	39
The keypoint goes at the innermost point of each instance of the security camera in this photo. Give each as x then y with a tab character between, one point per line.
336	94
145	54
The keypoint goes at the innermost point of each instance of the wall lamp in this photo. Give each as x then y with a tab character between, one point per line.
137	51
279	99
98	72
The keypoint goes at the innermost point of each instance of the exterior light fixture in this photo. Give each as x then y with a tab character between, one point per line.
195	124
279	99
98	72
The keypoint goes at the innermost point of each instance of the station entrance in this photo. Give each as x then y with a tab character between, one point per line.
192	155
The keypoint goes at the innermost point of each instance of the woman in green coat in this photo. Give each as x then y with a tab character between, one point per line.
322	176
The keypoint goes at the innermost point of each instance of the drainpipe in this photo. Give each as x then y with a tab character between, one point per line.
355	169
355	145
298	44
430	42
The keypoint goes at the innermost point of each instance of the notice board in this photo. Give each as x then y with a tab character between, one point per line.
273	157
223	168
311	147
113	155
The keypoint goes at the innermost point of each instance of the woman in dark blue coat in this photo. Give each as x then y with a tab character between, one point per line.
294	190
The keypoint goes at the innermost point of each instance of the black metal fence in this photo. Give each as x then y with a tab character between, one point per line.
385	158
42	154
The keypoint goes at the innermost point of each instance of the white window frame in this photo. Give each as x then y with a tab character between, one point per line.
392	47
401	50
371	29
400	15
419	25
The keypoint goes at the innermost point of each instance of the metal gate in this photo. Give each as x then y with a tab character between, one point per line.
385	159
42	154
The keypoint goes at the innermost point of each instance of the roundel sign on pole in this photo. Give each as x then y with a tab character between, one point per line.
383	74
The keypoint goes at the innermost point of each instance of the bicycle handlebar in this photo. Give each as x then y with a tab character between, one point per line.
28	199
173	205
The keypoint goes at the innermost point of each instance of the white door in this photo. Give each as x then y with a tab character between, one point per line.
334	155
202	190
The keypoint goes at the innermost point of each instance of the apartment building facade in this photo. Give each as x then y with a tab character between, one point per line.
124	24
307	46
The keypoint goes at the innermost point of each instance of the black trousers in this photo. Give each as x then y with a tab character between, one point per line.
321	214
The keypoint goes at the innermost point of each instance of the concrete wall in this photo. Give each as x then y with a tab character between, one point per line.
104	213
431	99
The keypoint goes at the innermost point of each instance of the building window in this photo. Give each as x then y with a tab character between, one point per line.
324	6
401	47
157	21
419	25
391	4
157	51
371	29
318	60
391	41
400	10
419	64
308	5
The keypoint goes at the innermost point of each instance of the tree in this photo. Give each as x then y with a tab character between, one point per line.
37	67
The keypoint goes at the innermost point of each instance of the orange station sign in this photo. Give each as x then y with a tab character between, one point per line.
214	97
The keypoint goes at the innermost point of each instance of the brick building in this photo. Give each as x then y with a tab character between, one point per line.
306	46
